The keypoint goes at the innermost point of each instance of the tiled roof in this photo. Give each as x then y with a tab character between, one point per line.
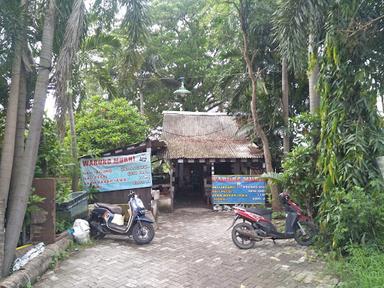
194	135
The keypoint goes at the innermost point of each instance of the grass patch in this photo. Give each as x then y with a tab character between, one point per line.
57	258
363	268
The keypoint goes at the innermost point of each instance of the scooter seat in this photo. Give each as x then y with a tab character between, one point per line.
260	211
111	207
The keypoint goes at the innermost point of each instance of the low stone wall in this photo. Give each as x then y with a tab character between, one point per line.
36	267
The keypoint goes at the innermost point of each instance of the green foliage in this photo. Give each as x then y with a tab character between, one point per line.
10	26
305	129
52	155
352	216
59	256
32	206
159	165
136	21
28	285
293	21
278	215
362	269
351	205
236	87
111	55
101	53
62	224
33	201
183	43
92	191
104	125
63	190
300	177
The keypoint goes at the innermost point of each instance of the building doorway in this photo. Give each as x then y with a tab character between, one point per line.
189	188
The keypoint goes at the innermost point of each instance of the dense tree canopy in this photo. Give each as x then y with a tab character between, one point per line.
104	125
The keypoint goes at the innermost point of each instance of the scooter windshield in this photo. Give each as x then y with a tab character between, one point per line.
137	203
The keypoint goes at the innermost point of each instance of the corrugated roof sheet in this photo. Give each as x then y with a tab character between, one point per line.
194	135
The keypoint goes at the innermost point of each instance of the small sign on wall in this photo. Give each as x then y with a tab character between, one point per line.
238	189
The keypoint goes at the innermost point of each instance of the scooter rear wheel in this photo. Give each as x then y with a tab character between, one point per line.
143	233
241	241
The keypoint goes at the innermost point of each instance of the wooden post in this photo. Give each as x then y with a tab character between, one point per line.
43	221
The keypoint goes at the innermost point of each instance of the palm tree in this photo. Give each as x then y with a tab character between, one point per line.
285	103
299	26
8	147
23	182
66	59
74	148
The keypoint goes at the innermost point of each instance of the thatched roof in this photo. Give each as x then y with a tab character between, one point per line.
196	135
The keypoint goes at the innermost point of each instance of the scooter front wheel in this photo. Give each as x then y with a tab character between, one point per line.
143	233
96	232
305	234
241	241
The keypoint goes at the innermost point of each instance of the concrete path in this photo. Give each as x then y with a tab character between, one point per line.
191	249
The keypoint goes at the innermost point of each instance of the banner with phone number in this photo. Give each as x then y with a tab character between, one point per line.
117	172
238	189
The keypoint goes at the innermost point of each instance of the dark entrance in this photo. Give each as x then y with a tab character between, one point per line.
223	168
189	189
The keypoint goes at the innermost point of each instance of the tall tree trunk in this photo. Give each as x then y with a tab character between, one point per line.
141	101
20	131
75	174
284	88
23	182
256	121
8	147
382	104
313	75
141	95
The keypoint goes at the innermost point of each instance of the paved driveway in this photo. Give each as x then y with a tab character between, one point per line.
191	249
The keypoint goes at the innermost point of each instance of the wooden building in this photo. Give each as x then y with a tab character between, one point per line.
201	144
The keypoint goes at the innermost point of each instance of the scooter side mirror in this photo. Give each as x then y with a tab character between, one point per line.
130	195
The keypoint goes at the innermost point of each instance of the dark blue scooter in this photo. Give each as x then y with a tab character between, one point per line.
108	218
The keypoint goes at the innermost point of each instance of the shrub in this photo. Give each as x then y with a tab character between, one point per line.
300	176
362	269
301	179
104	125
354	216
